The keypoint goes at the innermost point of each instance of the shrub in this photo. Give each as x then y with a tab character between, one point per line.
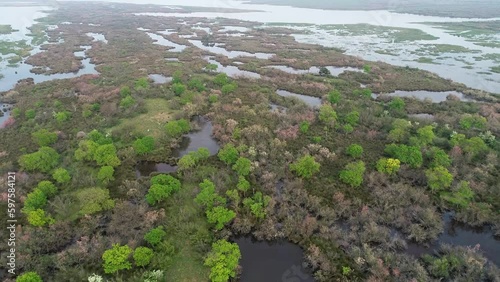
35	200
327	115
196	84
324	71
62	116
30	114
116	259
461	197
469	121
125	91
47	188
141	83
257	205
305	167
397	104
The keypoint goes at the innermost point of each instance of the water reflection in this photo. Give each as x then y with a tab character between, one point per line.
160	40
23	71
271	261
435	97
146	168
309	100
198	139
230	54
232	71
459	234
335	71
5	113
97	37
159	78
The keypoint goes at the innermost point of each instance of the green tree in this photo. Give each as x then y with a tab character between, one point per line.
242	166
30	114
211	67
38	218
400	130
155	236
62	116
176	128
220	216
178	89
186	162
334	96
141	84
44	160
208	197
305	167
196	84
324	71
47	188
327	115
304	127
162	186
93	200
461	197
35	200
474	146
144	145
352	118
43	137
61	175
388	166
397	104
406	154
105	174
221	79
177	76
143	256
29	277
355	150
229	88
438	178
223	260
243	184
426	135
469	121
116	258
125	91
353	174
105	155
257	205
127	102
228	154
439	158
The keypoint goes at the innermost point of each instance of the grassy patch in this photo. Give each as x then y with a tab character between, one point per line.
391	33
188	232
495	69
386	52
426	60
6	29
150	123
438	49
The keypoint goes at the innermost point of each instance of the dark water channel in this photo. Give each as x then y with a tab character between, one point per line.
309	100
459	234
264	261
190	142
